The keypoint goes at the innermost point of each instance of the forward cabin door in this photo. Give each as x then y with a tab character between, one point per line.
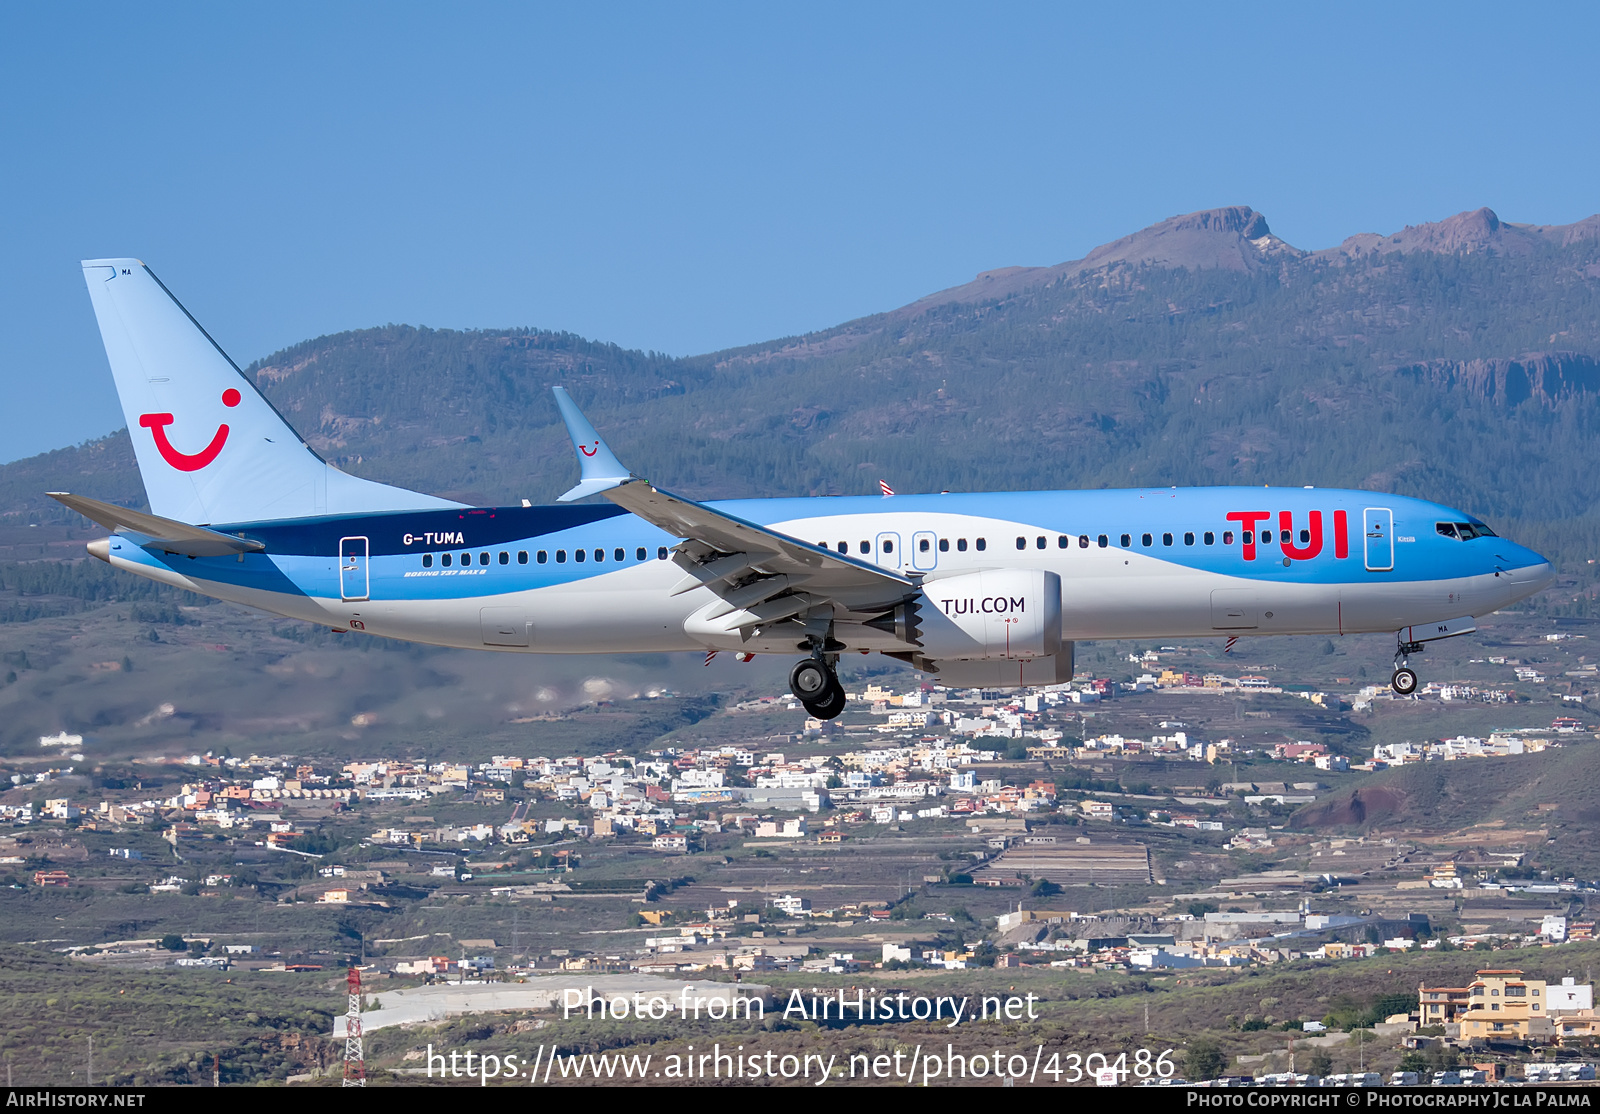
1377	524
354	582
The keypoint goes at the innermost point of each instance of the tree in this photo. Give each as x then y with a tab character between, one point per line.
1321	1063
172	942
1203	1060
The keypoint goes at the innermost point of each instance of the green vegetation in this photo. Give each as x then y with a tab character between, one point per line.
159	1027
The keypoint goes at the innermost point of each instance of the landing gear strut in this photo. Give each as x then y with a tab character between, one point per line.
816	685
1404	681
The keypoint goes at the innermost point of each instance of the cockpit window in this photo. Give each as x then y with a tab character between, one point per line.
1464	531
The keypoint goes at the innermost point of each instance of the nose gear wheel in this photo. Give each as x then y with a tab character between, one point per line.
1404	682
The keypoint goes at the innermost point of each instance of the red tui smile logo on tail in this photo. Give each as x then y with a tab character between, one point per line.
188	462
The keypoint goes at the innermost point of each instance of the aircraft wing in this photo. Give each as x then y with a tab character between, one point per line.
714	539
763	576
149	531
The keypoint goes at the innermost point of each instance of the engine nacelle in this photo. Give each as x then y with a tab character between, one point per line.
1001	614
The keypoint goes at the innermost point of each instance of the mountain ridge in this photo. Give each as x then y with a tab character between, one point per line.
1237	237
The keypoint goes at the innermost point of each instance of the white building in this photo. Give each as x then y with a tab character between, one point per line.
1569	997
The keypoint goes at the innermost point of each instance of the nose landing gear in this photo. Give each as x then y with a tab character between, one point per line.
816	685
1404	681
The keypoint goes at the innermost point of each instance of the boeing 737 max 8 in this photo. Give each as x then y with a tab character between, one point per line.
985	590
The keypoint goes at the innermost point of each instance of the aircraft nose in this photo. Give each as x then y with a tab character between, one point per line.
1527	571
1538	576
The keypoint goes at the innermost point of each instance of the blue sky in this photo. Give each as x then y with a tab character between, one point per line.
691	177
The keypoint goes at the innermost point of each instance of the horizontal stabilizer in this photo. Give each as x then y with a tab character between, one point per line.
149	531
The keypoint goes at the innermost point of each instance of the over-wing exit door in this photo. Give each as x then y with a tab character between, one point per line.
353	577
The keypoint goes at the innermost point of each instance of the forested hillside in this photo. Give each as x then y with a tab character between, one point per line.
1455	361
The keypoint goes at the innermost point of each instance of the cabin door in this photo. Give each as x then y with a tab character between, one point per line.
354	582
1377	524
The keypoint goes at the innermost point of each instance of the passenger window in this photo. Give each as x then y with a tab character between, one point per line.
923	546
1022	543
580	555
1104	541
639	554
1127	540
1145	540
1166	539
1038	543
822	545
866	547
1063	542
661	553
844	547
1188	538
544	555
483	558
1285	536
1227	537
599	555
522	556
561	556
1305	536
427	560
466	559
1210	538
1266	537
1083	541
982	545
888	546
618	555
444	559
505	558
961	545
944	545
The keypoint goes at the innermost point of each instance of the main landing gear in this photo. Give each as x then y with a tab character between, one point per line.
816	685
1404	681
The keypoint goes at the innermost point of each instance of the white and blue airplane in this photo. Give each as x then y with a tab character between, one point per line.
987	590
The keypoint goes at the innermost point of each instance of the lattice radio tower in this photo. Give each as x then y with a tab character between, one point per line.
355	1060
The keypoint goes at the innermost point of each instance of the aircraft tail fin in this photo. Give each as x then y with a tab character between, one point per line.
210	447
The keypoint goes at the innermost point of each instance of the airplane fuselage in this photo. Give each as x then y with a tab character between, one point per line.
1136	563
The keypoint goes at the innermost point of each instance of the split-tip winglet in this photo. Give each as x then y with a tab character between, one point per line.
600	470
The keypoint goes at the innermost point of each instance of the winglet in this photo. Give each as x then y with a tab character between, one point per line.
600	469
